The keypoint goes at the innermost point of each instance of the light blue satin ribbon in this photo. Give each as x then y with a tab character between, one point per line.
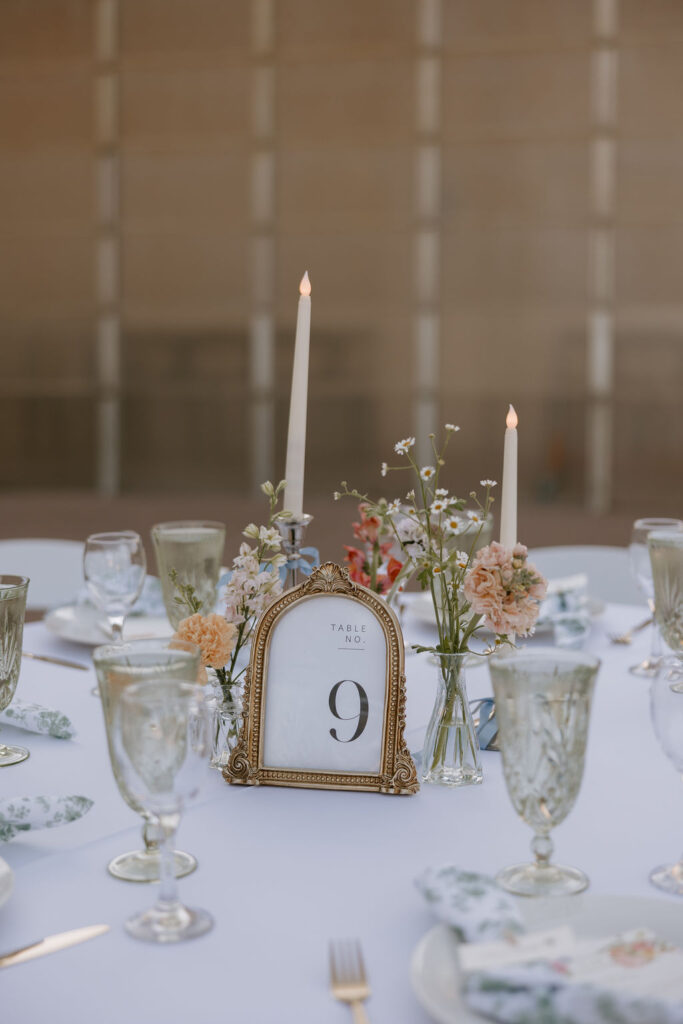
488	724
301	564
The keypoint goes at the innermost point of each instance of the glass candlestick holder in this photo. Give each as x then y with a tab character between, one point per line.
293	532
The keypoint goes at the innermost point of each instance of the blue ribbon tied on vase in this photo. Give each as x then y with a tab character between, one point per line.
487	727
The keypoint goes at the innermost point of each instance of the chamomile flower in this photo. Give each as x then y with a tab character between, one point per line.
394	507
461	559
437	507
427	472
487	483
441	492
453	525
384	469
452	427
410	496
404	446
474	517
436	570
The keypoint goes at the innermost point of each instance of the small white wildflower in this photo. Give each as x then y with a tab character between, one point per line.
393	507
453	525
336	495
410	496
384	469
474	517
487	483
437	507
461	559
441	492
427	472
436	570
452	427
251	531
403	447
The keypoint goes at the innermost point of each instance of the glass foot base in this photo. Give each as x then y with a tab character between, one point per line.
175	924
531	880
647	669
450	776
12	755
669	878
140	866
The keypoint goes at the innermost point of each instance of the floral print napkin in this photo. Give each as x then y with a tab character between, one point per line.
472	904
37	718
25	813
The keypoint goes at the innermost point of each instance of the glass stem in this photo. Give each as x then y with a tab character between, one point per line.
152	835
655	638
168	889
116	625
542	847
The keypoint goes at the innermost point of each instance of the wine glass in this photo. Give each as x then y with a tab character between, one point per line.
114	566
194	549
666	556
161	747
543	700
666	708
642	572
119	666
13	590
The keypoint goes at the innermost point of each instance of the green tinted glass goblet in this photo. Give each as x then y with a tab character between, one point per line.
13	590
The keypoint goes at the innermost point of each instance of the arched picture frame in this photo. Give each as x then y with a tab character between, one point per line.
324	702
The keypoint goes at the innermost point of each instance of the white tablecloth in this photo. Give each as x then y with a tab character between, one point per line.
283	871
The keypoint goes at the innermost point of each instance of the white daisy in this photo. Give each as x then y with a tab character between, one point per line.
437	570
461	559
441	492
404	446
437	507
393	507
427	472
487	483
410	496
452	427
474	517
453	525
384	469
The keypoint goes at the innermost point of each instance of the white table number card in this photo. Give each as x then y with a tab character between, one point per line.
325	693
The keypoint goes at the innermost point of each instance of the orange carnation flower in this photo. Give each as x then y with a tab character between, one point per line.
213	635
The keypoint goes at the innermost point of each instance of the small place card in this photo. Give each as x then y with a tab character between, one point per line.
517	949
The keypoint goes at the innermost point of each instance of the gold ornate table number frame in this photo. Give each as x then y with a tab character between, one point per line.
324	702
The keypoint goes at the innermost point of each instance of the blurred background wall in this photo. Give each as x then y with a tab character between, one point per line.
487	194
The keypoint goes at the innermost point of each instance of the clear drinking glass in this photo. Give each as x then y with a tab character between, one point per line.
195	550
666	556
114	566
161	746
641	568
666	708
119	666
543	700
13	590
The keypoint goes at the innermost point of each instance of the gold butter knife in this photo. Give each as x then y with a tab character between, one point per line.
52	944
55	661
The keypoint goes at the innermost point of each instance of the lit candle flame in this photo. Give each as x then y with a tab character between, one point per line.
305	287
511	419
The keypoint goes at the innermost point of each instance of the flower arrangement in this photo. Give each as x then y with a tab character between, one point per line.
471	588
372	565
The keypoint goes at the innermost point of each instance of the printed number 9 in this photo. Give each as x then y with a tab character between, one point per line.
362	715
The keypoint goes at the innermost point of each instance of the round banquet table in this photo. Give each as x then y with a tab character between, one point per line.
285	870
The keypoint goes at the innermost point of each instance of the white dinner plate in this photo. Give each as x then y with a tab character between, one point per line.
6	881
83	624
434	966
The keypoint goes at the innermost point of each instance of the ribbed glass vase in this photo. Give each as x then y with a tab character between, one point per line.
450	756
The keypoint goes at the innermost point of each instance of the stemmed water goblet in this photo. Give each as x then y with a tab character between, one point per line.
114	567
543	700
189	552
13	590
161	745
641	569
119	666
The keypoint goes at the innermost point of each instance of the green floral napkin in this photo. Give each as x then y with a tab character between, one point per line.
25	813
37	718
472	904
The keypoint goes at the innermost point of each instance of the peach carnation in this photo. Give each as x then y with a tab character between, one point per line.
505	589
214	636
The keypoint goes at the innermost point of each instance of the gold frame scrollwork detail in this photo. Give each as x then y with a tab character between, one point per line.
397	774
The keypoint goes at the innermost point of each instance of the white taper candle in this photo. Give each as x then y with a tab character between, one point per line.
508	498
296	435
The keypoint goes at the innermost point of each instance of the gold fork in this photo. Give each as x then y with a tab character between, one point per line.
348	980
625	638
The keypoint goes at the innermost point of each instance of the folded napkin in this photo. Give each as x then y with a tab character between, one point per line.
578	982
25	813
473	905
631	979
38	718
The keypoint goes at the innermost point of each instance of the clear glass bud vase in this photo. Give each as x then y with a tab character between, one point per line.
227	722
450	756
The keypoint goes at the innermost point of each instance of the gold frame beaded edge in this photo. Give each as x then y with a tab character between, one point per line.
397	774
